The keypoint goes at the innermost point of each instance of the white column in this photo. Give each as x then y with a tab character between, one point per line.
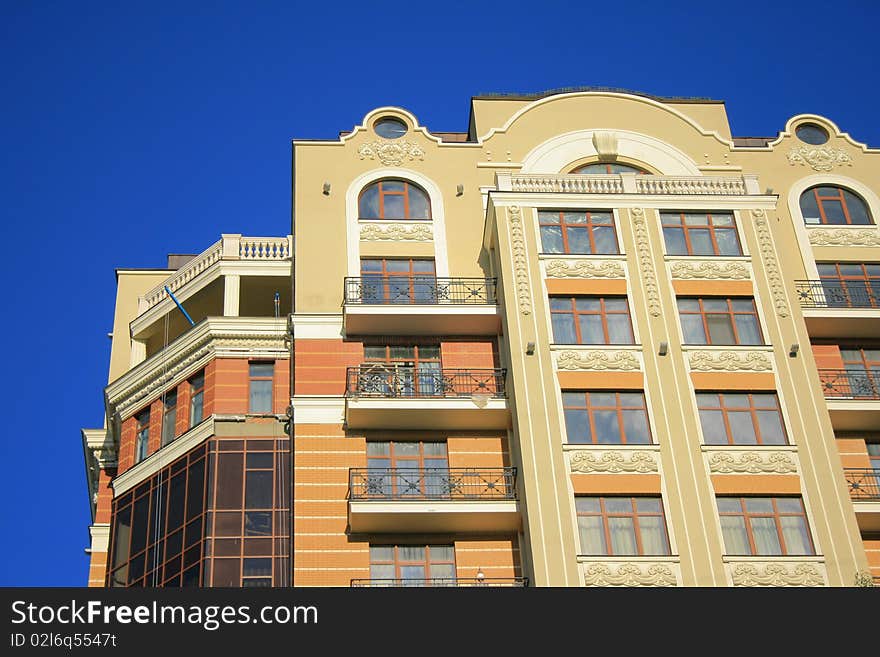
231	294
138	352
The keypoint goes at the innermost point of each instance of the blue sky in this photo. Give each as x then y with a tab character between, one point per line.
130	130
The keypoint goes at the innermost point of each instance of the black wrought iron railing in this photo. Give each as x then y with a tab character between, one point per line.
839	293
432	484
864	483
518	582
389	380
850	384
422	290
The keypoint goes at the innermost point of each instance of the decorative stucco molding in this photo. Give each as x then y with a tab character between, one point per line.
765	240
584	269
520	264
844	237
729	361
819	158
391	153
711	270
629	574
613	461
752	462
597	360
777	574
396	232
647	267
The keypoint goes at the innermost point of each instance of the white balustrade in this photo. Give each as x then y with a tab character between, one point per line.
621	184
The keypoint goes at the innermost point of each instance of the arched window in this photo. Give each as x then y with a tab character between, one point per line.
609	167
394	199
829	204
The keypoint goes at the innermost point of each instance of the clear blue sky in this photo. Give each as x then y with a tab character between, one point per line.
134	129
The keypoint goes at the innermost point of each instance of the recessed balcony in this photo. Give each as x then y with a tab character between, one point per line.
420	305
387	396
835	308
456	582
864	489
432	500
853	398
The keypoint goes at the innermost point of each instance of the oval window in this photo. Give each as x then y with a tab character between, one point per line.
389	128
810	133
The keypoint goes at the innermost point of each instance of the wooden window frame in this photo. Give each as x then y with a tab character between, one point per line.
639	171
602	312
193	394
635	515
710	227
730	313
142	434
252	378
168	410
841	197
753	412
426	564
382	193
588	226
618	407
776	515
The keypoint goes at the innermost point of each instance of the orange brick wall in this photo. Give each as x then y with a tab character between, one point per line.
477	354
103	510
495	556
827	356
872	550
321	365
853	452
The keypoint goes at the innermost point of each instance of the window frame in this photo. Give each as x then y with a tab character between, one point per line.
618	408
142	434
841	198
730	312
753	413
602	312
604	514
633	168
169	412
776	515
710	227
382	193
588	226
252	378
399	563
197	393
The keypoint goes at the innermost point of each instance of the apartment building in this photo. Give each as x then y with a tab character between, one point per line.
595	340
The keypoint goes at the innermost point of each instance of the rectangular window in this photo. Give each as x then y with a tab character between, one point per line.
413	565
591	320
196	398
606	418
408	469
260	398
404	280
408	370
717	320
700	233
621	526
571	231
169	417
741	418
850	285
764	526
142	436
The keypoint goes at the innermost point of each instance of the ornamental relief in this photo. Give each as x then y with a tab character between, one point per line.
711	270
777	574
597	360
396	233
613	461
520	264
844	237
819	158
391	153
629	574
727	462
643	246
584	269
774	277
729	361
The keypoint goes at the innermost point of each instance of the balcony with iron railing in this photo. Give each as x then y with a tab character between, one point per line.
433	499
852	397
840	308
420	304
445	582
389	396
864	490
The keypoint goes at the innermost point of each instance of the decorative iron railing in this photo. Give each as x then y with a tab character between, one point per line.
839	294
850	384
864	484
419	290
432	484
389	380
518	582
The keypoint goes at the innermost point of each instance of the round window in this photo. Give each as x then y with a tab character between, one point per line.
390	128
811	134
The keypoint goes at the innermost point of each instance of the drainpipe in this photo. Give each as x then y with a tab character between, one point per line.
290	409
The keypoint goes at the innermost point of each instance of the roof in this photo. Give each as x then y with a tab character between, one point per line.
567	90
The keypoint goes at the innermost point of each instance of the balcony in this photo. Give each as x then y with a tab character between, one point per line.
864	489
432	500
853	398
456	582
628	183
840	308
388	396
420	305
